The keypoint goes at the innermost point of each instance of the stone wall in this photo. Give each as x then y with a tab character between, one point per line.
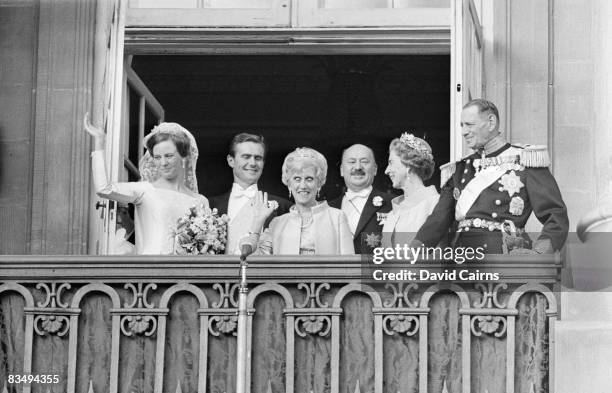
18	45
583	111
548	68
583	117
60	180
45	87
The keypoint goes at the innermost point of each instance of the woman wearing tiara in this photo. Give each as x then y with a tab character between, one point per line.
168	186
410	163
310	227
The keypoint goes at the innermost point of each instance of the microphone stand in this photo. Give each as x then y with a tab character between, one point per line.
241	341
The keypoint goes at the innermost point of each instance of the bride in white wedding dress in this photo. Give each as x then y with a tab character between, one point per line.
168	186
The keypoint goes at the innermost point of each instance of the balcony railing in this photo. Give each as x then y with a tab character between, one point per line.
168	324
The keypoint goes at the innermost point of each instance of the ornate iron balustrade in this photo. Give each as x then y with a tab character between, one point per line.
168	324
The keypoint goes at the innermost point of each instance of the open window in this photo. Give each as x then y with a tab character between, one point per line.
107	113
467	67
325	101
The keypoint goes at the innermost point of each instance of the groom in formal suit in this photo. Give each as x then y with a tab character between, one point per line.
246	158
364	206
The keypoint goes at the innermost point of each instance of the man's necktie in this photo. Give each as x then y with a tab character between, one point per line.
351	195
249	193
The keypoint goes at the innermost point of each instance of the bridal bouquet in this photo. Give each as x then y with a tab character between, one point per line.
200	231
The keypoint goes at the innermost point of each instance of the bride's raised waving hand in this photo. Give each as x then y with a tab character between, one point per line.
96	133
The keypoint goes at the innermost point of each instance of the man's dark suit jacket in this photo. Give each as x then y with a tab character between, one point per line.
369	225
221	202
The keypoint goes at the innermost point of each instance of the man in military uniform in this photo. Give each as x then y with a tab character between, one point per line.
487	197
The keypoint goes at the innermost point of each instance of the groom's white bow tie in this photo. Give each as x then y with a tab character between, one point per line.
350	195
239	192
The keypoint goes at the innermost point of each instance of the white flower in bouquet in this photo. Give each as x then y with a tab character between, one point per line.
200	231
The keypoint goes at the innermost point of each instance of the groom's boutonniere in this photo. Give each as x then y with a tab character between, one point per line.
377	201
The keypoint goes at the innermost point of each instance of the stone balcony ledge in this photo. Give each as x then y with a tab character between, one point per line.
333	268
168	323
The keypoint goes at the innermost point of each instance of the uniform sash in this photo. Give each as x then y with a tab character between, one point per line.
481	180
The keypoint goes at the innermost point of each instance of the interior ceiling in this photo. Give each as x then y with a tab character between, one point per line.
325	102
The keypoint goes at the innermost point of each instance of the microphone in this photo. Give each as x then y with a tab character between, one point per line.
246	249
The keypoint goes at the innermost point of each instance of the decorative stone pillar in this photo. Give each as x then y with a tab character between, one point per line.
602	99
61	149
18	51
583	337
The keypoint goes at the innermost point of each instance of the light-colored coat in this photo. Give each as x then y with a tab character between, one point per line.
332	233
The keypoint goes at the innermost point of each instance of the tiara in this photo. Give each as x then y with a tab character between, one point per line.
302	152
174	129
169	128
417	144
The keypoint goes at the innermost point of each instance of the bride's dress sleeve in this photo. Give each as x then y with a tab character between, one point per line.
126	192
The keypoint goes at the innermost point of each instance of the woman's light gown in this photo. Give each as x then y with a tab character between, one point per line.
408	215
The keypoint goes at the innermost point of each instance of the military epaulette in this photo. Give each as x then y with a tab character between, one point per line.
446	171
534	156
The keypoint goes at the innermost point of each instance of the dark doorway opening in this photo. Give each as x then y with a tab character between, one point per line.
326	102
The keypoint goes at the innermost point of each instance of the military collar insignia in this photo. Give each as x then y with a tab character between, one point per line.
505	147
